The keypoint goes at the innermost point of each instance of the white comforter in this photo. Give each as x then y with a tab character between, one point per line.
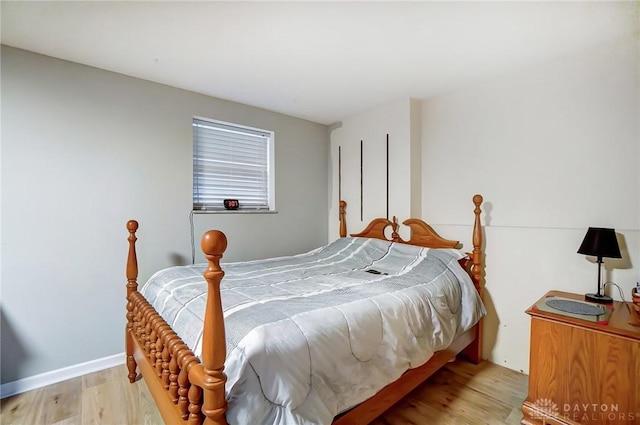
312	335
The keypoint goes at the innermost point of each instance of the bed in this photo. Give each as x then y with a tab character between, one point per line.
189	382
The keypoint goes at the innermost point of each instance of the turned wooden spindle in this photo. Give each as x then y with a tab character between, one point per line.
156	361
136	321
161	348
174	369
209	375
343	222
194	399
145	311
195	413
138	314
166	359
146	335
132	287
153	338
183	352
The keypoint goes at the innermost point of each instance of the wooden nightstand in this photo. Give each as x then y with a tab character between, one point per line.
583	372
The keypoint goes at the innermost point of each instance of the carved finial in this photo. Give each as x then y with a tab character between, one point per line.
132	225
477	200
343	221
394	226
213	243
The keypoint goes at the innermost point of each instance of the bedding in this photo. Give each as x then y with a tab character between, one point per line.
312	335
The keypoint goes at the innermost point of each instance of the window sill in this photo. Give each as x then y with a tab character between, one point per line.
235	211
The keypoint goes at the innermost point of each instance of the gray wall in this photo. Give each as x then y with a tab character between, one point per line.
83	151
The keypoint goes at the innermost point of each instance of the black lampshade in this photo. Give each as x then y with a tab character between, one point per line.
600	242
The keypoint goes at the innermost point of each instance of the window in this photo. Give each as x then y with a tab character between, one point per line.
231	162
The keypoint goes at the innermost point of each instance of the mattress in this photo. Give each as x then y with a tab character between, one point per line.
312	335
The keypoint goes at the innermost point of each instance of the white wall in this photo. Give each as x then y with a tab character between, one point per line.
372	128
554	149
83	151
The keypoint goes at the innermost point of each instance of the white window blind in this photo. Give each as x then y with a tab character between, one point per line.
231	162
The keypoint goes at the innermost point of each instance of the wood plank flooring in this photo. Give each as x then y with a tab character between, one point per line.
462	393
459	394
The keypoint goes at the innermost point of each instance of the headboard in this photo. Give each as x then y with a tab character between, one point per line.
423	234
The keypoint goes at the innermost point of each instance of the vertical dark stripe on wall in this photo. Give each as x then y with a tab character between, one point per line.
339	178
387	176
361	182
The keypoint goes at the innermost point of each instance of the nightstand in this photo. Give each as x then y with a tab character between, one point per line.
583	372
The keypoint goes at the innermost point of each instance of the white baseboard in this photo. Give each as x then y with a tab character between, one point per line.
59	375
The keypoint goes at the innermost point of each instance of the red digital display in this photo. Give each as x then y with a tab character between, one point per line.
231	204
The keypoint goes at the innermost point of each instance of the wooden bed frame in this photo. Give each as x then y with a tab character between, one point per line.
191	391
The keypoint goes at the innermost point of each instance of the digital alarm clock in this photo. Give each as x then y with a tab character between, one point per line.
231	204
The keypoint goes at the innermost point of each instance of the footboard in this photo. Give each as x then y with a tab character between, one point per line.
185	389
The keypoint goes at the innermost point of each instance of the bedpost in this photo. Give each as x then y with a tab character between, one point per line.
343	222
476	256
132	286
474	351
209	375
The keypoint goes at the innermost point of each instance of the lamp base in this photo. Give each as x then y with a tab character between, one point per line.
596	298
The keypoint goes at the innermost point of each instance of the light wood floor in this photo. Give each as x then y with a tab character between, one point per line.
459	394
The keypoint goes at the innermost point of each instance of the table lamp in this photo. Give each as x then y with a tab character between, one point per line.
600	242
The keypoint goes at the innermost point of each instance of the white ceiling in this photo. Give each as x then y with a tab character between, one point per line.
322	61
